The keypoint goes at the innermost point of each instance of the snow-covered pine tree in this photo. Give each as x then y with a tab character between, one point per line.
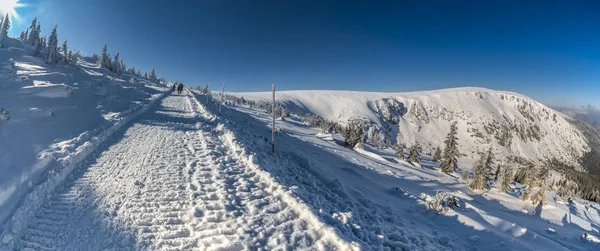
44	43
34	32
115	64
74	57
399	148
4	29
414	155
52	53
505	176
528	179
353	132
23	36
152	75
491	171
122	67
449	162
64	48
437	156
65	51
539	197
480	178
105	58
38	47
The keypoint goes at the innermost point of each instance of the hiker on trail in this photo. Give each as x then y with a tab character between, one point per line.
174	86
180	88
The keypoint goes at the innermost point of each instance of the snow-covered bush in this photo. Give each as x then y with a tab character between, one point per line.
353	132
441	202
4	114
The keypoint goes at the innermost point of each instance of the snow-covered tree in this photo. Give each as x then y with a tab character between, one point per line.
65	48
115	63
414	155
437	156
152	76
105	58
504	178
34	32
122	67
539	197
52	53
449	162
38	47
4	29
353	132
399	148
74	57
491	171
23	36
480	175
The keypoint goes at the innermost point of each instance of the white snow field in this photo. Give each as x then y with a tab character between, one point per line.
510	123
58	115
125	165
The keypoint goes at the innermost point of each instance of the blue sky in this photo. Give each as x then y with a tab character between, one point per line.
549	50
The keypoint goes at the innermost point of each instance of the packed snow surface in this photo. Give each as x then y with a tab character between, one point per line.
58	114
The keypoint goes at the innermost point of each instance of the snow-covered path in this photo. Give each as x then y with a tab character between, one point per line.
170	182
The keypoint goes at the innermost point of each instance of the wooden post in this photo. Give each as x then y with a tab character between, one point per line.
220	104
207	92
273	125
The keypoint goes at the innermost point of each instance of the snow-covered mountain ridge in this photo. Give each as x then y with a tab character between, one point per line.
512	124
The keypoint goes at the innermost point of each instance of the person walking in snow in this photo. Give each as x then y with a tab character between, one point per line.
180	88
174	87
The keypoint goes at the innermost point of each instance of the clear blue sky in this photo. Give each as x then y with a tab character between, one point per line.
549	50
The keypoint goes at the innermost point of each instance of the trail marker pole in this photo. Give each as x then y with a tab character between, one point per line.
220	104
273	125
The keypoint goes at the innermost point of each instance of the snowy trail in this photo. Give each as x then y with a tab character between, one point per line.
171	182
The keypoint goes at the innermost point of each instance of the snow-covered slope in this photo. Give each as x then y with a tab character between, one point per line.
57	115
510	123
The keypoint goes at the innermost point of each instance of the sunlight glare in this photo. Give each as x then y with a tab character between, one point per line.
10	6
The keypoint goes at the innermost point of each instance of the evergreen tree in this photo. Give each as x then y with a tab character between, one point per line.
480	178
23	36
52	53
449	162
437	156
38	47
399	151
414	155
4	29
152	75
105	58
504	178
34	34
65	48
121	67
115	64
353	133
74	57
491	172
539	197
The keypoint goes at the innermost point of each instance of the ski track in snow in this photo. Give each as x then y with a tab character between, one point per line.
170	182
